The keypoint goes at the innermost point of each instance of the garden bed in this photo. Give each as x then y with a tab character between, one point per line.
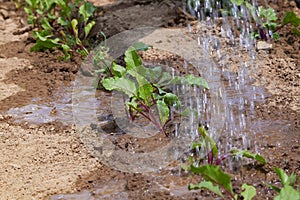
41	160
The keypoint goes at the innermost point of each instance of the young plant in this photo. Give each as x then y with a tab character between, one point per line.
288	191
61	24
267	21
148	89
213	158
214	177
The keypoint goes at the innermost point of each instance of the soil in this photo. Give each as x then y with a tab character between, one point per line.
42	160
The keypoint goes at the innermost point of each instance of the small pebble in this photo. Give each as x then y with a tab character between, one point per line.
261	45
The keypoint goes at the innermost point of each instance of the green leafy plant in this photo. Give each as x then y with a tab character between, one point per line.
61	24
147	88
206	142
287	192
214	177
267	21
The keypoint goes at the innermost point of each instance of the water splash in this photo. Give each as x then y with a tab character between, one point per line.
224	30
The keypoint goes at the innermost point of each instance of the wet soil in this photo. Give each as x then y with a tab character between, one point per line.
41	160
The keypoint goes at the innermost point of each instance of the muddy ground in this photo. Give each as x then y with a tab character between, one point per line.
38	161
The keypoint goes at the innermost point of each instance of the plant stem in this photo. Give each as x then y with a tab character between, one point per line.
153	119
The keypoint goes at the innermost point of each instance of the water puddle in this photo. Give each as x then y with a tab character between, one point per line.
41	112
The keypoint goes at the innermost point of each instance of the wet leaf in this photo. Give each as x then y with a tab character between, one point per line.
163	111
211	143
237	2
198	81
206	185
140	46
214	174
145	89
171	99
122	84
249	192
165	77
247	154
189	111
269	14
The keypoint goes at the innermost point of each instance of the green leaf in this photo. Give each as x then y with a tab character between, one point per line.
62	21
276	36
74	23
118	70
195	145
153	74
282	175
28	11
163	111
288	193
185	167
198	81
132	104
171	99
206	185
291	17
249	192
277	189
251	8
237	2
189	111
248	154
46	25
269	14
66	50
214	174
296	31
176	80
165	77
140	46
86	10
132	59
145	89
88	28
44	42
122	84
212	144
284	178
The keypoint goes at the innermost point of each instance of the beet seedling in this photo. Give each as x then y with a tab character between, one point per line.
60	24
213	175
287	192
147	88
267	21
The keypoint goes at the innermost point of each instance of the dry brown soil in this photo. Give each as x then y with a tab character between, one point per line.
38	161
